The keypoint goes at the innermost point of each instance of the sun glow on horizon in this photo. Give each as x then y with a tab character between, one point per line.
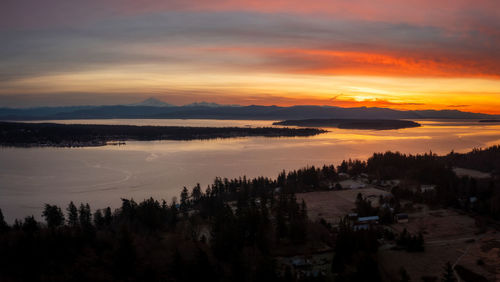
274	88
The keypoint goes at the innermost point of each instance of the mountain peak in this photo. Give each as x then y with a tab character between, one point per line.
152	102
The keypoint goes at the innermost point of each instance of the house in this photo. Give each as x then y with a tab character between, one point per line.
353	216
366	222
425	188
357	185
361	227
369	219
344	175
395	183
390	183
363	177
401	217
300	262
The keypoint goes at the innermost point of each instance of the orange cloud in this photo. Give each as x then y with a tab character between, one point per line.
340	62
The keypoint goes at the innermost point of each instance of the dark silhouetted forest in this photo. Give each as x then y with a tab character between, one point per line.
69	135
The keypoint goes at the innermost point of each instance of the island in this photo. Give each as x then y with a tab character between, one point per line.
19	134
375	124
490	120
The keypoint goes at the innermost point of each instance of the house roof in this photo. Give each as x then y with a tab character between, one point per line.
402	215
368	218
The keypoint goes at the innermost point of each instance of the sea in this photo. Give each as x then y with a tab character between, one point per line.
102	176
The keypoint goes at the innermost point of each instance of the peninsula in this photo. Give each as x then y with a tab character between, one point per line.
86	135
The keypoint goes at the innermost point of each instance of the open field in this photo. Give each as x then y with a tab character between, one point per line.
471	173
449	237
332	205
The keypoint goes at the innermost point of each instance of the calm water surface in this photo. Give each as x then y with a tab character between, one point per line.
30	177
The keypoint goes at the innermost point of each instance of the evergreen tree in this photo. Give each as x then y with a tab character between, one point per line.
404	275
343	167
184	201
84	216
173	213
30	225
99	221
108	217
196	193
3	225
17	224
128	210
281	227
53	216
205	271
72	214
448	274
125	256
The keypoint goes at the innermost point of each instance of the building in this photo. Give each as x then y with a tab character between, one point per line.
344	175
401	217
353	216
357	185
366	222
425	188
369	219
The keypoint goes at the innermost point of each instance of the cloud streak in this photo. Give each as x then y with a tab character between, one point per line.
251	42
463	14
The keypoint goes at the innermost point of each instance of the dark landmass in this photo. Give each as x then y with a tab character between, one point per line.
83	135
246	229
490	120
485	160
154	109
377	124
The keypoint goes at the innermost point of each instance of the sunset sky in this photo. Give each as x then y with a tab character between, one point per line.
426	54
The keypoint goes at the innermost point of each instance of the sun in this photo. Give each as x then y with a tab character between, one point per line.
362	98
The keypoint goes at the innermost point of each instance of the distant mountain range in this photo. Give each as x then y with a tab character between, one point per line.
152	102
156	109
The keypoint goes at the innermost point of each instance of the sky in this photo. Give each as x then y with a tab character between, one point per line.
411	54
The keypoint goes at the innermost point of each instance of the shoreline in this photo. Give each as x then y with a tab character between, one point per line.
89	135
